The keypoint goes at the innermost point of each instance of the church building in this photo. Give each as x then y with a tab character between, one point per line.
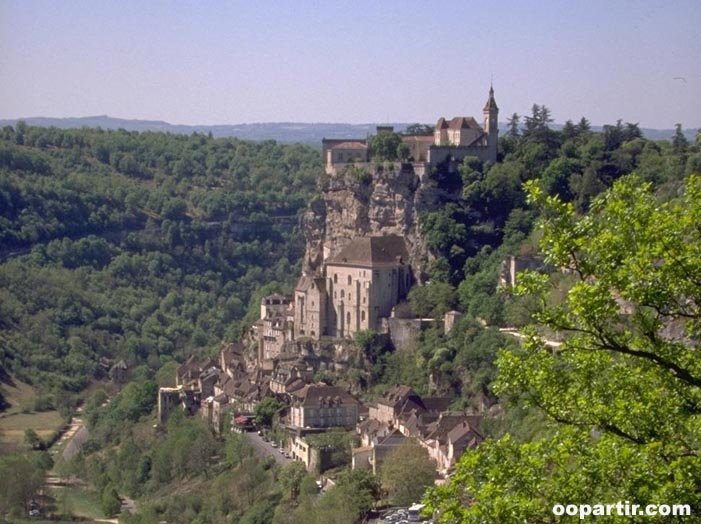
359	286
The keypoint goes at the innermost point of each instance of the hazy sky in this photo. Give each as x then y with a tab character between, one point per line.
202	62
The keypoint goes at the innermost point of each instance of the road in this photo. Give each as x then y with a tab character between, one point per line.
514	333
264	449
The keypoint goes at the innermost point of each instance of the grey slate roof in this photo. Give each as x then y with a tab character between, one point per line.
372	252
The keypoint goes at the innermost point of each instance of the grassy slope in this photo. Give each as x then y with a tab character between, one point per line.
14	420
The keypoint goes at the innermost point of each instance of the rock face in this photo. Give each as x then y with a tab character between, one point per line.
372	200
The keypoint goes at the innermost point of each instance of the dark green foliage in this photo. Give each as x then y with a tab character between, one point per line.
21	477
406	472
386	146
140	246
432	300
419	129
109	501
266	411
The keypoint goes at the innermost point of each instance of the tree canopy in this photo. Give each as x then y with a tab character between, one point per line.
623	390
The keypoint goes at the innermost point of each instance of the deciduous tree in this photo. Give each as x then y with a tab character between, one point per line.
623	391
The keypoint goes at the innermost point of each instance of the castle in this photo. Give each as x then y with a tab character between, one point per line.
452	140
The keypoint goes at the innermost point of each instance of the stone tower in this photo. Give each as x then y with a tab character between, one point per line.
491	123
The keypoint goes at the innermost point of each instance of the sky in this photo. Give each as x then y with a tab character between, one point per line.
232	62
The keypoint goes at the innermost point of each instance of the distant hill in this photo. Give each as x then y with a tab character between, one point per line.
308	133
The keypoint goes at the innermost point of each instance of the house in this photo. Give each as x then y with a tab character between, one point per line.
323	406
274	327
462	136
384	447
118	372
188	373
448	437
344	151
289	378
231	359
395	400
371	431
207	379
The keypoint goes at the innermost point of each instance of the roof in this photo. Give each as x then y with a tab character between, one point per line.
463	122
372	426
120	365
350	145
222	398
305	282
371	252
275	297
398	395
491	103
437	404
440	429
395	438
322	394
328	143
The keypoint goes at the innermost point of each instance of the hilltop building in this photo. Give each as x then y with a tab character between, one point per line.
452	141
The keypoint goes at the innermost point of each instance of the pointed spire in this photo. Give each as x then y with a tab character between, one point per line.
491	103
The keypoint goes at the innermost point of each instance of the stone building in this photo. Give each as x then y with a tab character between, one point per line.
360	285
323	406
462	136
274	327
451	142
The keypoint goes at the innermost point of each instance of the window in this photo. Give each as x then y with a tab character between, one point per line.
350	280
350	296
362	315
343	293
335	278
348	318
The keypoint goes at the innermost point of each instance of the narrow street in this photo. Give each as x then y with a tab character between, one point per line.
265	449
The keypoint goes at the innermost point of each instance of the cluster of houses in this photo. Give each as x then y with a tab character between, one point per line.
402	414
225	395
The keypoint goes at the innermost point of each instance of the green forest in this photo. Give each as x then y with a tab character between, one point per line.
149	247
144	247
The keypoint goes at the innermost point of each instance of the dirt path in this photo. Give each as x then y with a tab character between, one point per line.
515	333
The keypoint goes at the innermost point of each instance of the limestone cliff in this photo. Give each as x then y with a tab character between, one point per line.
372	199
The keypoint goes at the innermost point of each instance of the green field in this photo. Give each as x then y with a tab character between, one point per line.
35	521
77	501
15	420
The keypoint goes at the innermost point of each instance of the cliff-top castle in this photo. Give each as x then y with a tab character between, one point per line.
363	275
452	140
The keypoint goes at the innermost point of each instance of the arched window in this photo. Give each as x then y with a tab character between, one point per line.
335	278
362	315
350	280
343	293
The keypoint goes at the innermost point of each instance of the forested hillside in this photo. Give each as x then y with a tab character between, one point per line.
487	217
150	246
137	246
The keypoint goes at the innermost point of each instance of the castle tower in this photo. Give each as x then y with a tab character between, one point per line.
491	124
